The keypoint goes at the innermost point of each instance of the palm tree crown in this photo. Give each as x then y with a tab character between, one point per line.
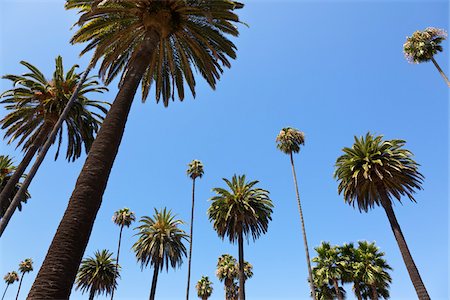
123	217
195	169
11	277
290	139
423	45
26	266
7	169
204	288
328	267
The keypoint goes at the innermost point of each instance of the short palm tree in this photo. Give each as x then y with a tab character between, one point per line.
195	170
204	288
325	291
374	172
241	210
160	242
156	43
289	141
98	275
422	46
349	262
10	278
228	272
123	218
25	266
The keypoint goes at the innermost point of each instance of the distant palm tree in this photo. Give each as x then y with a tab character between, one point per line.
123	217
241	210
195	169
10	278
289	141
7	168
25	266
373	172
204	288
228	271
423	45
160	242
98	274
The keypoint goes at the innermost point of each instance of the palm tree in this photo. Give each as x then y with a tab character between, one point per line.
423	45
7	168
204	288
25	266
195	169
373	172
123	217
10	278
153	42
160	242
34	105
325	291
350	264
98	274
289	141
228	271
241	210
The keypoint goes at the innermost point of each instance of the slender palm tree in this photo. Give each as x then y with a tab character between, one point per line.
10	278
241	210
422	46
204	288
153	42
25	266
123	218
374	172
98	275
194	171
160	242
289	141
7	168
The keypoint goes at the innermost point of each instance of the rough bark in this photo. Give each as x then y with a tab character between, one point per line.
154	281
440	71
241	267
58	271
191	238
117	260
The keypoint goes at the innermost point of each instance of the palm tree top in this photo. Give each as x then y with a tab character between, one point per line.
26	265
290	139
123	217
204	287
226	267
11	277
374	169
195	169
423	45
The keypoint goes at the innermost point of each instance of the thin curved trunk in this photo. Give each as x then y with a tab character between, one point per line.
241	267
440	71
305	241
154	282
59	269
117	261
374	292
336	288
91	294
20	285
357	290
190	243
4	293
407	257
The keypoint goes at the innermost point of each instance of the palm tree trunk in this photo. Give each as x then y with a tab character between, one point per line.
336	288
374	292
227	289
407	258
440	71
305	241
357	290
91	294
154	282
4	293
58	271
20	285
190	243
117	262
241	267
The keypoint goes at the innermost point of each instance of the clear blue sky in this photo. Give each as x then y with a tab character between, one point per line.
333	69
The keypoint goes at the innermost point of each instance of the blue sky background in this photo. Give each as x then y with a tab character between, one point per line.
332	69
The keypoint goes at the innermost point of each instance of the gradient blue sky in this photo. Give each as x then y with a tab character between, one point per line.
333	69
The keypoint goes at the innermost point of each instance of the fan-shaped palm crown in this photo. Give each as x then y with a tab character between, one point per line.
6	171
242	208
423	45
374	170
35	104
190	32
195	169
204	288
328	267
227	267
160	240
11	277
98	275
290	139
26	266
123	217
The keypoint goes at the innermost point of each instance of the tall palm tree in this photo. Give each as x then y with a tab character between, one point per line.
25	266
195	170
241	210
374	172
289	141
153	42
160	242
423	45
10	278
228	272
34	105
123	217
204	288
98	274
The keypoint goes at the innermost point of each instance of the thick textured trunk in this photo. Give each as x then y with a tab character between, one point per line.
228	283
440	71
374	292
336	288
191	238
357	290
92	294
154	281
407	258
4	293
20	285
305	241
117	260
241	267
58	271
